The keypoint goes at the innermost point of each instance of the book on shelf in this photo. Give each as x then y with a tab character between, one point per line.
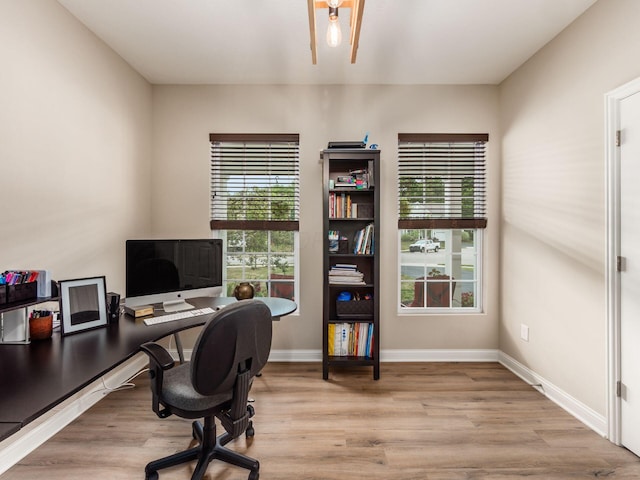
363	242
342	206
337	279
350	339
345	266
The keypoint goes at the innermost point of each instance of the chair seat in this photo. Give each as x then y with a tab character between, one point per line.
178	392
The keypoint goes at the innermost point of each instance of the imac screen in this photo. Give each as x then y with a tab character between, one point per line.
170	269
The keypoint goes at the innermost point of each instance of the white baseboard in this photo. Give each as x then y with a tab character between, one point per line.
437	355
579	410
34	434
295	356
385	355
274	356
19	445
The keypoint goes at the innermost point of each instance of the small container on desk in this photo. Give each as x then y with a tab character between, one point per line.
22	292
41	328
14	319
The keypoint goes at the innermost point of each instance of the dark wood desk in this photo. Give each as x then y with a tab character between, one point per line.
8	429
36	377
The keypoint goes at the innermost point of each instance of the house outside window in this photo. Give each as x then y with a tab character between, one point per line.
441	218
255	210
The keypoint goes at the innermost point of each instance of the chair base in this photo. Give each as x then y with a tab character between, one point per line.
210	448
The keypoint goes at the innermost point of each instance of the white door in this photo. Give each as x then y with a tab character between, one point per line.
630	275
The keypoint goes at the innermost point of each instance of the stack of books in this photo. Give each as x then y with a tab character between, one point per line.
346	273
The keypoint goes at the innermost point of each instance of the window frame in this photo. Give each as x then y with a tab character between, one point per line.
451	309
220	225
459	220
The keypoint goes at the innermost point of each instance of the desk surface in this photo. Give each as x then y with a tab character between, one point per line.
36	377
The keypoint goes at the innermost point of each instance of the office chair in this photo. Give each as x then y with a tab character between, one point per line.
231	349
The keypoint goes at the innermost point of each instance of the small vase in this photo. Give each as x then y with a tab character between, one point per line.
243	291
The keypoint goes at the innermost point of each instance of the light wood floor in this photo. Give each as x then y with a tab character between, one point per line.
422	421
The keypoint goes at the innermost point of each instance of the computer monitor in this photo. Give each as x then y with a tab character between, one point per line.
172	271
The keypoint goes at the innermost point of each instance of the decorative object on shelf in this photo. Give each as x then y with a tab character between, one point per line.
244	291
40	324
83	304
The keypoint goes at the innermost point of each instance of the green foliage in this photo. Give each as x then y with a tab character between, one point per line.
250	251
419	190
468	190
262	203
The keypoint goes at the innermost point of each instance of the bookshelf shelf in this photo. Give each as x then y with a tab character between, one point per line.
351	320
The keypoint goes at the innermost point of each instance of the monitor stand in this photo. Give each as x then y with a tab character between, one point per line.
176	306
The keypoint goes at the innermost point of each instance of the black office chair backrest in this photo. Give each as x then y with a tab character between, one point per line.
237	338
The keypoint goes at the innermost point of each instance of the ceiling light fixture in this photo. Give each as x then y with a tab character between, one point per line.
334	34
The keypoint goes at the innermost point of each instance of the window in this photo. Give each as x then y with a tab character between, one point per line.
255	210
441	217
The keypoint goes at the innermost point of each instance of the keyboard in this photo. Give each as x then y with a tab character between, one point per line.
170	317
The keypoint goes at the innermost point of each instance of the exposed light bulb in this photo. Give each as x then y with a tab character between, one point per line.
334	3
334	33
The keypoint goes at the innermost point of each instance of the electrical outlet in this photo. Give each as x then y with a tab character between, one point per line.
524	332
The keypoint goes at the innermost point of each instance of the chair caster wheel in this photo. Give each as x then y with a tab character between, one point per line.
254	476
250	432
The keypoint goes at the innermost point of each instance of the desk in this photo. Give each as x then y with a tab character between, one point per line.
36	377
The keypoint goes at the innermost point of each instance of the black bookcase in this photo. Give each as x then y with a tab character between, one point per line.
351	266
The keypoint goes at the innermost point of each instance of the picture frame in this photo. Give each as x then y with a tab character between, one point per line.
83	304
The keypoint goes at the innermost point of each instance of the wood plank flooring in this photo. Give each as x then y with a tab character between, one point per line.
420	421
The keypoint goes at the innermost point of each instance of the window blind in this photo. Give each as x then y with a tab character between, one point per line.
255	182
441	181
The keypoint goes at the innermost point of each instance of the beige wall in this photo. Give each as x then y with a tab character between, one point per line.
91	154
75	136
553	230
185	115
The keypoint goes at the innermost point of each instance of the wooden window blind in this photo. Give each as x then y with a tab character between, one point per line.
255	182
441	181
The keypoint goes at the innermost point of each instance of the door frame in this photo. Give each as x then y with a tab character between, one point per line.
612	248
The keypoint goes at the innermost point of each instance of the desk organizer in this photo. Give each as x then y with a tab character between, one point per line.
354	308
22	292
343	246
41	328
3	294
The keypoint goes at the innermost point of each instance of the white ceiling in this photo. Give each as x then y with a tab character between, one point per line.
267	41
